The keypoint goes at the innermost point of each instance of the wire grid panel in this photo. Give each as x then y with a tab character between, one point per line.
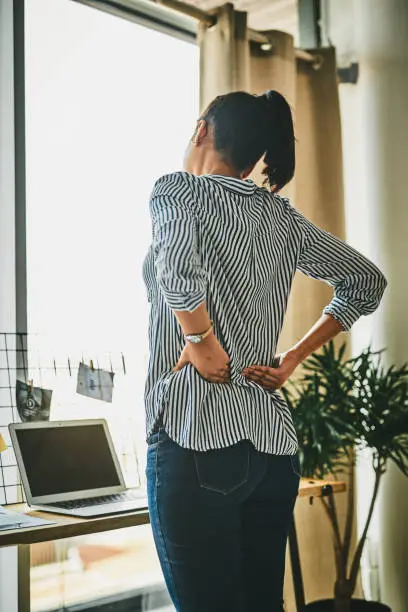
32	359
13	365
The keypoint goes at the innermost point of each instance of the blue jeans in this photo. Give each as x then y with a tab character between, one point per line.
220	522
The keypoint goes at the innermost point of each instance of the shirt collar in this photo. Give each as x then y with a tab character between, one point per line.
240	186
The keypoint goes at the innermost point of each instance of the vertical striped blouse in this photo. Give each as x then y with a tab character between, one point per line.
237	247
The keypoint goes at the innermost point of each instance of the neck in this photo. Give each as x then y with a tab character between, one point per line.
214	164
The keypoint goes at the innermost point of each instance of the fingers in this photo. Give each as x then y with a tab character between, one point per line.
221	379
225	376
180	365
216	378
263	375
222	375
259	374
264	381
260	369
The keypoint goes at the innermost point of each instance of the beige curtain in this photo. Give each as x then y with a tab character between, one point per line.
224	55
229	62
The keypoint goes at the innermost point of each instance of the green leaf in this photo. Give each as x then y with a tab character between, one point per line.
339	404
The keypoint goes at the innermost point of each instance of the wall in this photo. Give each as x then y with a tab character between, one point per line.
375	134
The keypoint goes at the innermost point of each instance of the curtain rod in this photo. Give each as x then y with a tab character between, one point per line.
254	36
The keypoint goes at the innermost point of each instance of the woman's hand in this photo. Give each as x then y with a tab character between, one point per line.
273	377
209	359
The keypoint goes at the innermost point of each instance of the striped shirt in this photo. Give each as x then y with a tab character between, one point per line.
235	246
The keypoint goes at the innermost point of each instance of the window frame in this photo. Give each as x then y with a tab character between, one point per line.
149	14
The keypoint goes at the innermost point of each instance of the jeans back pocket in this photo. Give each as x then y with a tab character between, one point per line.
223	470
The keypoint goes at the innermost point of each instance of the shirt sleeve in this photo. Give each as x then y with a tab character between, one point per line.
358	284
179	273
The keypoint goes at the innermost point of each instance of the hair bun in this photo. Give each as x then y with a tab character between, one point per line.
267	96
280	151
275	101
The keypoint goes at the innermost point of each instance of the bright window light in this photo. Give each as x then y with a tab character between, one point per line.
110	107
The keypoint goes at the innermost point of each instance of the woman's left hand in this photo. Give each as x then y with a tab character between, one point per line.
270	377
208	358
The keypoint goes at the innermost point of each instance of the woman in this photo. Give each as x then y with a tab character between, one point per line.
222	468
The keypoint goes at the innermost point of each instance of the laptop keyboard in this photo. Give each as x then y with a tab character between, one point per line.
131	495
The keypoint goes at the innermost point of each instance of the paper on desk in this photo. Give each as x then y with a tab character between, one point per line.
15	520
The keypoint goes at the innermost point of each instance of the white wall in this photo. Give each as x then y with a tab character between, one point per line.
8	556
375	136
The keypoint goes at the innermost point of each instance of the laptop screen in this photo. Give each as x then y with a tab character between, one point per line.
67	459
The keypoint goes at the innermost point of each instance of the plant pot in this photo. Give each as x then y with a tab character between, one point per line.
356	605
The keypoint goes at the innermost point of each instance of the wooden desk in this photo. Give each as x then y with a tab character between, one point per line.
69	527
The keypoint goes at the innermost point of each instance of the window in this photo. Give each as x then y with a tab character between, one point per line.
110	107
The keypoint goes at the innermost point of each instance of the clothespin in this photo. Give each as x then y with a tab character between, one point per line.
3	445
91	365
30	383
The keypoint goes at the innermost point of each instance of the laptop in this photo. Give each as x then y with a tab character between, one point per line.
70	467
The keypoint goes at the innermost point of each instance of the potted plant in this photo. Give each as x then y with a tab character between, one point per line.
341	406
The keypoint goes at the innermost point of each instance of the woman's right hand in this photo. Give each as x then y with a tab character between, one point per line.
273	377
208	358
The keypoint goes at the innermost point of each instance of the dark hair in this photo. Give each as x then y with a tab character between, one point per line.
246	127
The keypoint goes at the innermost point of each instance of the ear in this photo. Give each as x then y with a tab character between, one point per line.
200	132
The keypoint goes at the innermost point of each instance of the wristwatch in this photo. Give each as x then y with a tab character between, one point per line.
197	338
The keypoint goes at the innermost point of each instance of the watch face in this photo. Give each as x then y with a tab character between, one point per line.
195	339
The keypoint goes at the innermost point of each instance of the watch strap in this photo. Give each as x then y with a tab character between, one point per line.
197	338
